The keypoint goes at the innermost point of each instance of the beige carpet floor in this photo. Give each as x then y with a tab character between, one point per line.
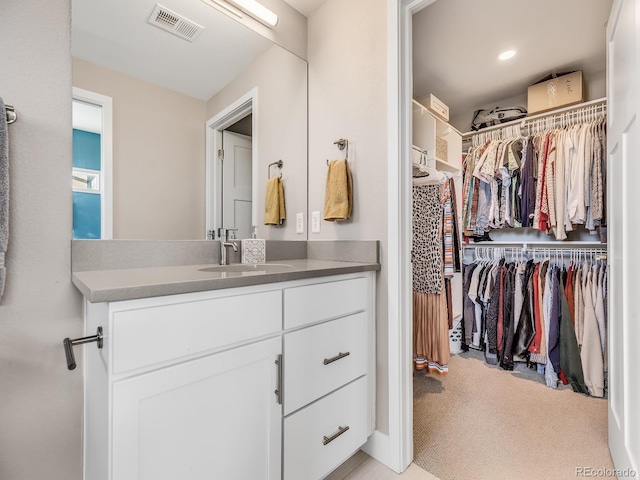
479	422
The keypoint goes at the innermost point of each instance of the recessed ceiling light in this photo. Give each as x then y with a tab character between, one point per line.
507	55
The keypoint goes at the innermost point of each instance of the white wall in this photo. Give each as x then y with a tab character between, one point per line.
281	114
158	156
347	56
40	400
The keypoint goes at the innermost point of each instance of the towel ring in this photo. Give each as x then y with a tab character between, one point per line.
279	163
342	144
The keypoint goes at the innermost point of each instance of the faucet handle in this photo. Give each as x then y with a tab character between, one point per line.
223	233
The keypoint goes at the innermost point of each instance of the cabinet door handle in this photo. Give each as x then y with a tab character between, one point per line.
340	355
341	430
278	391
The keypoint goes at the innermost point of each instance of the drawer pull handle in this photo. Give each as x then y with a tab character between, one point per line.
330	439
340	355
278	391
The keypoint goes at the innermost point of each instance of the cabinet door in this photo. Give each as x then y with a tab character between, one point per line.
216	417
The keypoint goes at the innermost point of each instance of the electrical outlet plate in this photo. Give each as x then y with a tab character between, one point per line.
299	222
315	222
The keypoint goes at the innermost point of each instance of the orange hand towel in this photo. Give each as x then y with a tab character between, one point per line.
338	198
274	213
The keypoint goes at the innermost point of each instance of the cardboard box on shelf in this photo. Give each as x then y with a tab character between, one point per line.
556	93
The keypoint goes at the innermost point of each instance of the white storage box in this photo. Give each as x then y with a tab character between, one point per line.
438	107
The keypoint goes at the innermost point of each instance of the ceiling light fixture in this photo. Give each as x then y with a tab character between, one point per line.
257	11
224	7
507	55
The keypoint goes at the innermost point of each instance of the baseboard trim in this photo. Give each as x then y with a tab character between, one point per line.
378	447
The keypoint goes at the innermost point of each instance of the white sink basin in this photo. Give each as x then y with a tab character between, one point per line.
249	268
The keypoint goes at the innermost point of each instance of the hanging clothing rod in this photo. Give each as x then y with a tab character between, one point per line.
11	114
517	254
418	149
523	122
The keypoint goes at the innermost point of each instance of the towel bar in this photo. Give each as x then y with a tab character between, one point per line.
279	163
68	346
342	144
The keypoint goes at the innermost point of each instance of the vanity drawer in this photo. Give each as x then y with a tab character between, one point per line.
147	336
322	301
322	358
309	452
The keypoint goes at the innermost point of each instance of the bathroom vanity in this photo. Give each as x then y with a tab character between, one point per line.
263	374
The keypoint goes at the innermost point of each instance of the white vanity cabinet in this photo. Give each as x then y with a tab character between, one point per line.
239	383
328	375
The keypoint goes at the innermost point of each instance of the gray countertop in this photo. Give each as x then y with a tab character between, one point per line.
131	283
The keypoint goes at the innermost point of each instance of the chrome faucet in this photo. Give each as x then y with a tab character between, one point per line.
224	244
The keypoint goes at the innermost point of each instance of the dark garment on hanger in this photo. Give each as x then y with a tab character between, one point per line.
484	278
526	326
570	362
447	289
456	232
534	347
492	320
468	313
554	321
506	360
528	205
501	307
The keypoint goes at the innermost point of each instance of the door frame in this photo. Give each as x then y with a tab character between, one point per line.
396	449
622	143
243	106
400	441
106	156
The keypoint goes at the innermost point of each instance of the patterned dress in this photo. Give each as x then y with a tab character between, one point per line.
430	318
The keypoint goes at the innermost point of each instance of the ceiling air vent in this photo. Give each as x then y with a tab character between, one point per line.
172	22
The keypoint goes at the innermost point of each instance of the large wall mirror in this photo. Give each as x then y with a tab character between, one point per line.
173	99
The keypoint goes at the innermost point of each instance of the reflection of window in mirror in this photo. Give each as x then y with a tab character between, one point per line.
91	202
86	180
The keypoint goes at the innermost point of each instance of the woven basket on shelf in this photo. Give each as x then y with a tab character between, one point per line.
441	149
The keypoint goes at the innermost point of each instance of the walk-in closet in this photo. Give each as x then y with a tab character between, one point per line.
510	267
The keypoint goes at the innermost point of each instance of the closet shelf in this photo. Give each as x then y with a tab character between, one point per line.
445	166
533	244
523	121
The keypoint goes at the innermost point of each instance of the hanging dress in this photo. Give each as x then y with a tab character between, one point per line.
430	318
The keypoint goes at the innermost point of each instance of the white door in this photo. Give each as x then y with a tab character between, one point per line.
623	174
216	417
236	183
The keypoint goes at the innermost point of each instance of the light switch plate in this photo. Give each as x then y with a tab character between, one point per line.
315	222
299	222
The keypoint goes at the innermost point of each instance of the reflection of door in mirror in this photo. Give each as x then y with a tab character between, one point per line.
231	167
91	175
237	180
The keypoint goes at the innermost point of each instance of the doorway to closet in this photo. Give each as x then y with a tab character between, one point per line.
491	444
